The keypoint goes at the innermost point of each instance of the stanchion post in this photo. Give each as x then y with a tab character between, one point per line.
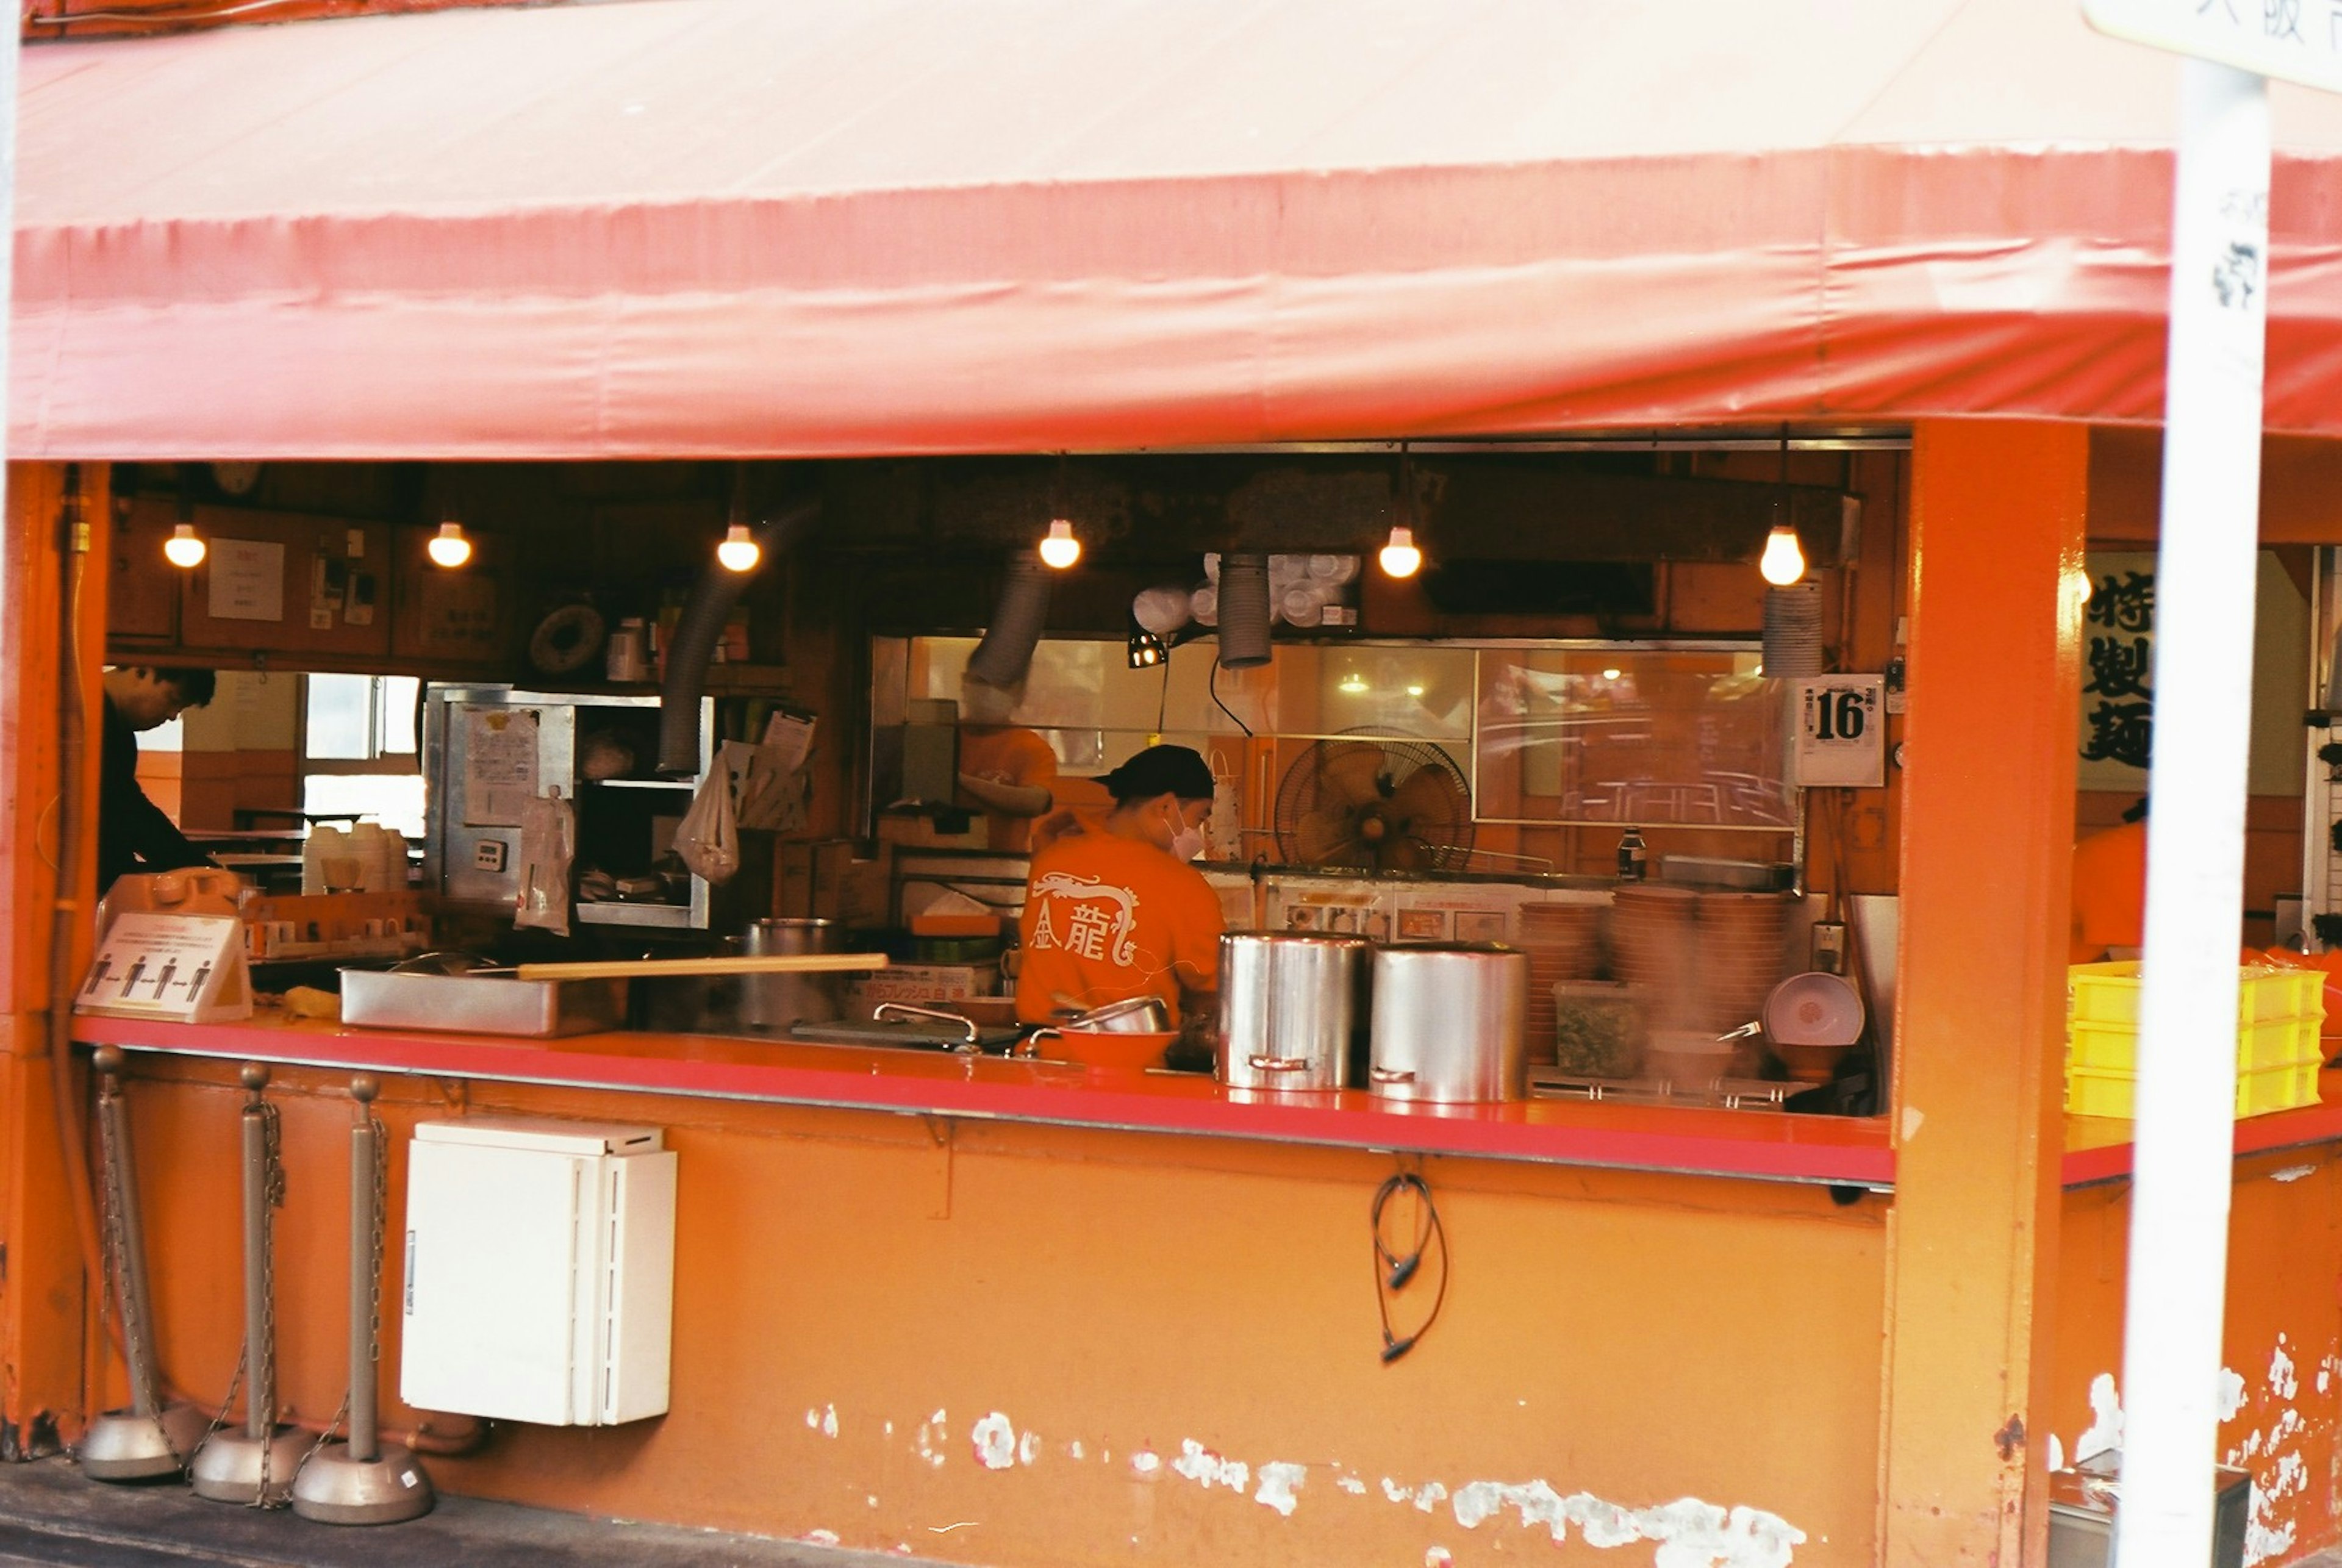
153	1437
254	1467
363	1480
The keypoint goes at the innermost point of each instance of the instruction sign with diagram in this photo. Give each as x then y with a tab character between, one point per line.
187	968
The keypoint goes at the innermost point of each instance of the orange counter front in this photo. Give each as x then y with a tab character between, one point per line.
1662	1325
1167	1298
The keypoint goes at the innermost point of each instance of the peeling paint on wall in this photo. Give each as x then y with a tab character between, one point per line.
993	1437
1690	1532
1278	1483
1201	1466
2282	1381
2293	1172
2232	1392
2105	1428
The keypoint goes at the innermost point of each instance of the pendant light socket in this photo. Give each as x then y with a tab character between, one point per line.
184	548
448	548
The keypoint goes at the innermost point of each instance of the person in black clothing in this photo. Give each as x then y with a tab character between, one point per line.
133	834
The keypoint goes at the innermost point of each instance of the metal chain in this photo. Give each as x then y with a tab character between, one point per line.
327	1435
381	1212
227	1402
272	1184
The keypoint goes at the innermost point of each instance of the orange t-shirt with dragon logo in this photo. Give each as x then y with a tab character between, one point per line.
1108	918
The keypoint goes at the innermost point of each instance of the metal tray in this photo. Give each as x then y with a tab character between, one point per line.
482	1005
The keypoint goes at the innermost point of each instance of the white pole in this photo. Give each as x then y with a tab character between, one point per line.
2196	834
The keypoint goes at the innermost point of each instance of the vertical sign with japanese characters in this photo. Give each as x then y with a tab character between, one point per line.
2117	671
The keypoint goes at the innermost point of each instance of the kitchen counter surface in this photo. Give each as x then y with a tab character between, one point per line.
1752	1144
2099	1149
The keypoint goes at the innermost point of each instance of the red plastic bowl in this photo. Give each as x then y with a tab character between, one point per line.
1108	1048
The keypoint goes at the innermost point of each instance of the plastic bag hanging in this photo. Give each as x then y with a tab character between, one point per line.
548	844
708	839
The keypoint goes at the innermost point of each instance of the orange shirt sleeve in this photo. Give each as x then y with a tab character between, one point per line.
1196	949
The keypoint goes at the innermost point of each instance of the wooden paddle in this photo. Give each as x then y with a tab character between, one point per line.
657	968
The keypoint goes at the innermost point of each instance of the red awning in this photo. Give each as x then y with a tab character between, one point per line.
855	226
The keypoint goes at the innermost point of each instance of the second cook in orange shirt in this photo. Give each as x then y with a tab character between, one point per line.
1116	912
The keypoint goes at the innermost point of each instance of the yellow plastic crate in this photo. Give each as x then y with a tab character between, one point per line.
2091	1092
2278	1015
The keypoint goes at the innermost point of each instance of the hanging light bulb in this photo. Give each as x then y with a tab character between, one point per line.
448	548
1400	557
1060	549
184	548
739	552
1782	561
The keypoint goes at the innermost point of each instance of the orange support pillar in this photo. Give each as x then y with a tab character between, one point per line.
43	1301
1996	530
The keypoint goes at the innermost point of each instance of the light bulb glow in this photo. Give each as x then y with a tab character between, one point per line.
739	552
1400	557
1060	549
448	548
184	548
1783	563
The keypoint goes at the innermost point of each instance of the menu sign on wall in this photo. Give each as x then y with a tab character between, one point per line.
2118	670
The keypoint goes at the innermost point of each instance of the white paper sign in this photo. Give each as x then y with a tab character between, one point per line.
248	580
499	766
2292	40
1842	732
186	967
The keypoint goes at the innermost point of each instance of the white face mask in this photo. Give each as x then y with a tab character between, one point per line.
1187	843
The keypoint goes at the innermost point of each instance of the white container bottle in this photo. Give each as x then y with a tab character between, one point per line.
367	849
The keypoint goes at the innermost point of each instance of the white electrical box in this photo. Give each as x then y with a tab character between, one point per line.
540	1271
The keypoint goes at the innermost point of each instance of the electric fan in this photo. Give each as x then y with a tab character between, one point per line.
1375	804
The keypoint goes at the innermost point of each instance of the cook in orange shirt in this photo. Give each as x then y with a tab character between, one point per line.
1116	911
1005	771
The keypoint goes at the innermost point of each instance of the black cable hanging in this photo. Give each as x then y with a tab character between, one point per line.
1395	1268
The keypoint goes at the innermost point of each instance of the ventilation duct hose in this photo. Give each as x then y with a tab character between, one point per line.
1005	653
1793	631
1245	613
702	626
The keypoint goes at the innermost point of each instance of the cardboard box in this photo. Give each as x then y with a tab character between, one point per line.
922	982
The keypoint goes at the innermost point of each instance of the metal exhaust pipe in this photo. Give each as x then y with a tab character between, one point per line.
363	1480
254	1467
150	1438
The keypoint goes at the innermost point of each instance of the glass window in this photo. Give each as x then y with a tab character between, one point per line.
342	722
393	800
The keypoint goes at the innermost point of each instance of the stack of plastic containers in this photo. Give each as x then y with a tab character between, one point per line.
2278	1052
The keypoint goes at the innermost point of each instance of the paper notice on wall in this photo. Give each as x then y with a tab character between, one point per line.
248	580
499	766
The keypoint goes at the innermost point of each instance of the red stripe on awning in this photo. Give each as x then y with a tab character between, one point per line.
684	227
